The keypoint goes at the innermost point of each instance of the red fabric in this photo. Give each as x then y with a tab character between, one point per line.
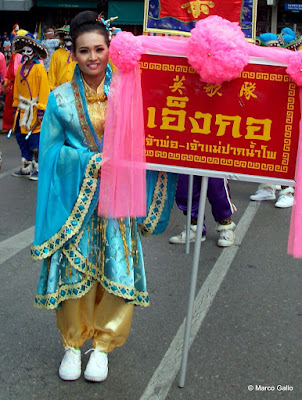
8	113
195	10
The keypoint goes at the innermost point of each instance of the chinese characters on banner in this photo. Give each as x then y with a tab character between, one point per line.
180	16
248	126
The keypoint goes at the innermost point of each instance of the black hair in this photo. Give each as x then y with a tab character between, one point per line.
87	21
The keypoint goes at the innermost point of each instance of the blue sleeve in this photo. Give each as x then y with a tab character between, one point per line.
63	163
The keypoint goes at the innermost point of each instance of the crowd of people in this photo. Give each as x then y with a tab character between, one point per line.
92	266
28	71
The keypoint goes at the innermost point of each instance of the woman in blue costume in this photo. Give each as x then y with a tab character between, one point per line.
92	272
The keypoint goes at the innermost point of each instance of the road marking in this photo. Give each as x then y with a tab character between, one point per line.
12	246
9	172
162	379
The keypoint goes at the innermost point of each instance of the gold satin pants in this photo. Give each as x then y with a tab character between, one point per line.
99	315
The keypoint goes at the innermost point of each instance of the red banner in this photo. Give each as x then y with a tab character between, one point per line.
187	11
248	126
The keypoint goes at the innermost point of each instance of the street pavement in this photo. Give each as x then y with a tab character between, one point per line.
246	332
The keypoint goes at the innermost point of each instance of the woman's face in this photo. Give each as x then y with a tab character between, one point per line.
91	53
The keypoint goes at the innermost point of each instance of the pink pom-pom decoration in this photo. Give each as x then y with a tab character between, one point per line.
294	67
217	50
125	51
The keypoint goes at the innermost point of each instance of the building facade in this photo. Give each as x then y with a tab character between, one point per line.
272	15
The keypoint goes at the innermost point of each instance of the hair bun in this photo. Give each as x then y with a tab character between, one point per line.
83	18
84	22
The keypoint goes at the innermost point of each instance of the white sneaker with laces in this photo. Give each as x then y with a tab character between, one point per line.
226	235
70	368
265	193
286	198
181	238
97	367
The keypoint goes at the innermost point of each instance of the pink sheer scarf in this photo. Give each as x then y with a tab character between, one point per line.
295	230
123	172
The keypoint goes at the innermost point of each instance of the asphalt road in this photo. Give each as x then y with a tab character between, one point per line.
246	333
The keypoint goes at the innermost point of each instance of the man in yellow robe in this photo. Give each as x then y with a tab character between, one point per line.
31	92
61	66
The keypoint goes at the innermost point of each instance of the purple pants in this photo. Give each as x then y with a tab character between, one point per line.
218	195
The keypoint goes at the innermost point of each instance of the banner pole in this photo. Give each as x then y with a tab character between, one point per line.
189	211
196	256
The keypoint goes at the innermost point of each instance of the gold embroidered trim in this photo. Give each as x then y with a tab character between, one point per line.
74	222
77	290
66	292
99	97
96	109
91	274
82	264
82	117
122	227
126	292
156	208
134	240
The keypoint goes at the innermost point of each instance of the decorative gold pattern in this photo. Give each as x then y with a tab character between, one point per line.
156	208
91	270
102	230
96	104
134	240
67	292
288	127
167	67
198	7
82	117
126	248
265	76
82	264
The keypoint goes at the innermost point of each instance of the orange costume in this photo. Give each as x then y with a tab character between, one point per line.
61	68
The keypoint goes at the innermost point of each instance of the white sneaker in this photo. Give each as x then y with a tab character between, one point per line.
264	194
286	198
70	368
97	367
181	238
226	235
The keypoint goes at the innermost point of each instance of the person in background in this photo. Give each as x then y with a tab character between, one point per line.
31	92
14	32
3	70
8	85
62	65
222	208
268	192
3	37
51	43
7	48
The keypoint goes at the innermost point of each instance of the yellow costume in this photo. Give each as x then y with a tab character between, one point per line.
30	96
61	68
